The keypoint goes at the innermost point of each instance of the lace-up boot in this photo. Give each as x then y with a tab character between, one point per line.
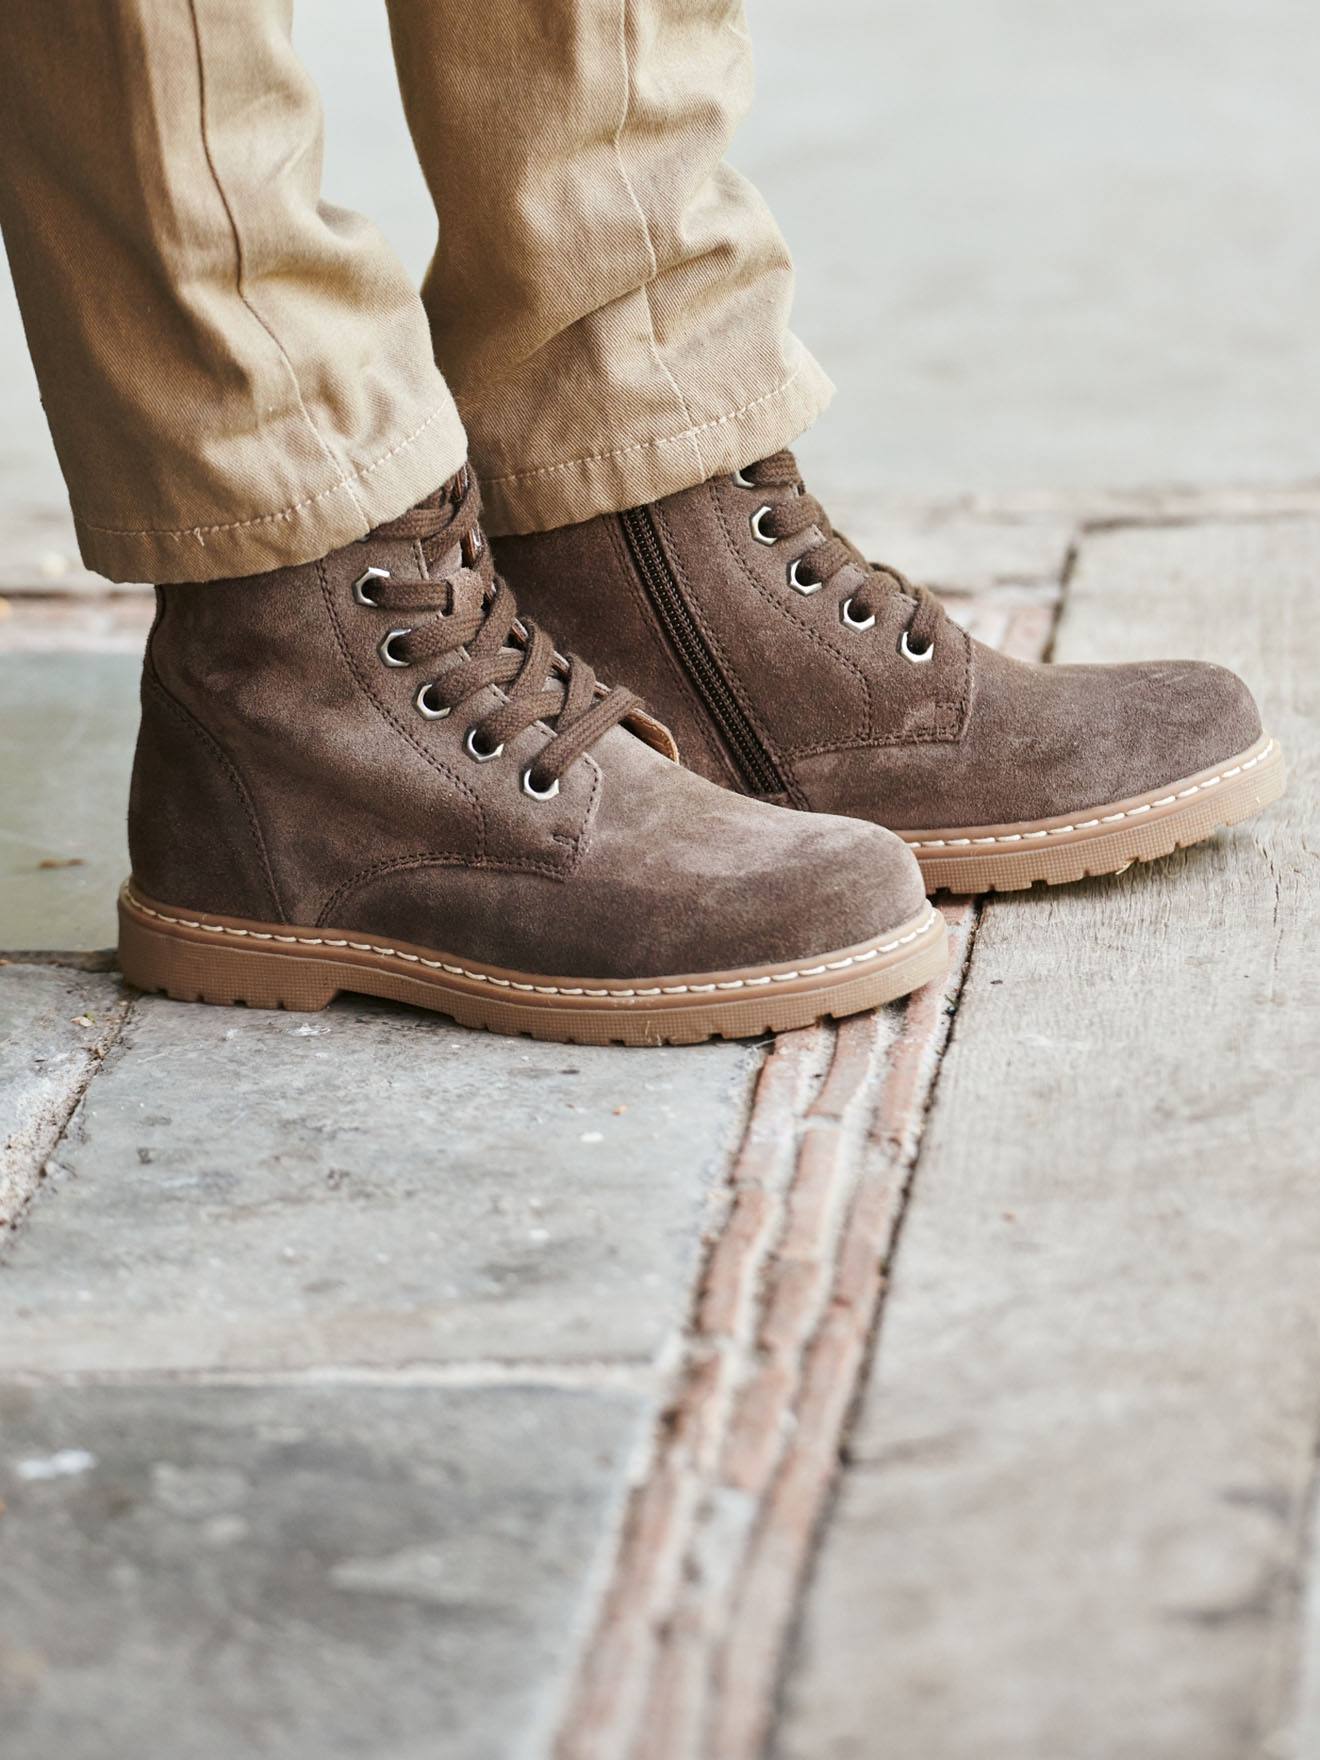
791	668
369	774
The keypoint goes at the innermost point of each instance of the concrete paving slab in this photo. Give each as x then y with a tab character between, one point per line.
55	1026
367	1186
298	1573
67	726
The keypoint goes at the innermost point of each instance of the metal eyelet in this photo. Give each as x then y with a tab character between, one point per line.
385	648
742	481
538	794
473	750
755	523
918	656
798	584
360	592
857	623
424	705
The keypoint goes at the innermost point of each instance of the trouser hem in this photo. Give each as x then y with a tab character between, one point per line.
629	474
329	516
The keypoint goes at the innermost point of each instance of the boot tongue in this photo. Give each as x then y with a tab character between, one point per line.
446	552
442	552
652	733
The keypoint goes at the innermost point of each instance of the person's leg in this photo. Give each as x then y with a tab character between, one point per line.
236	375
609	299
357	769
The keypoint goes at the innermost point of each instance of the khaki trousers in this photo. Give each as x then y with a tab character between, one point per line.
239	376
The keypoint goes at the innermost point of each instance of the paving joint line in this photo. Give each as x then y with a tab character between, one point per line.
909	1161
766	1346
624	1374
1071	558
1173	519
66	959
833	1380
95	1055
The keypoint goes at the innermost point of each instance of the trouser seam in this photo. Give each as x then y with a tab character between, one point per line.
261	519
568	464
653	259
338	464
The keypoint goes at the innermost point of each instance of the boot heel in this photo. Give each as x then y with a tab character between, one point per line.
156	958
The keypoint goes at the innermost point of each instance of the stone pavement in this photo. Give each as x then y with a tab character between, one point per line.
368	1387
329	1346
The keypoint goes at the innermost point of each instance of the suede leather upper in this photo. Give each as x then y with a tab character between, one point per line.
965	738
284	773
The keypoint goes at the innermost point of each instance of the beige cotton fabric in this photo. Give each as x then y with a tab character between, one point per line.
238	376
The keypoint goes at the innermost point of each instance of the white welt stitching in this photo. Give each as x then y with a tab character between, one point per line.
1091	824
838	965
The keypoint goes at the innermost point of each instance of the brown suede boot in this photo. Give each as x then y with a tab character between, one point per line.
365	774
790	668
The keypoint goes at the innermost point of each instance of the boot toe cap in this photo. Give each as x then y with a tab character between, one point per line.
1053	739
739	883
1153	724
1210	715
809	884
853	882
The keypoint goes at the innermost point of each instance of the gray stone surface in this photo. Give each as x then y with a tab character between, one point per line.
1038	247
295	1573
367	1186
67	725
54	1028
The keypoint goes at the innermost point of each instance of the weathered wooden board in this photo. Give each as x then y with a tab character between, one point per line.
1076	1517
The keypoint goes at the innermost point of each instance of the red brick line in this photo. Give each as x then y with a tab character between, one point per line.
626	1662
748	1658
718	1534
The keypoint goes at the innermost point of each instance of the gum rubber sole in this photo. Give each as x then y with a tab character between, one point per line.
1101	840
195	957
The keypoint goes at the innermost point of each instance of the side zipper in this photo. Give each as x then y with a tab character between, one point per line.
756	768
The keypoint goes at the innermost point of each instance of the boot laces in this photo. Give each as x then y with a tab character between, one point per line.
798	511
469	617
